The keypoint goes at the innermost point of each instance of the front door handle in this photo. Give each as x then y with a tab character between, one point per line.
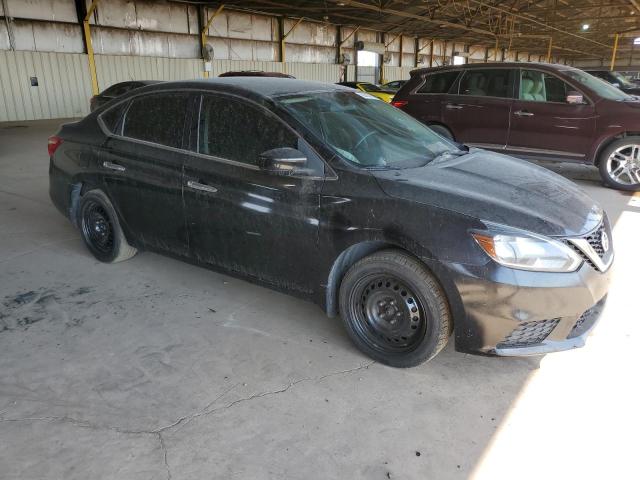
453	106
523	113
113	166
201	186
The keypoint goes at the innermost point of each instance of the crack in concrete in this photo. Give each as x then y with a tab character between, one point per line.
185	419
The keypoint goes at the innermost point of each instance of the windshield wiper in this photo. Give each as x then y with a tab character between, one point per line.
449	153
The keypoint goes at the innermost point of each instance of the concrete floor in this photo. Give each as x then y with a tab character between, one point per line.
154	369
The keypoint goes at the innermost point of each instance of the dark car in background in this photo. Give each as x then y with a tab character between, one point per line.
333	196
116	90
618	80
393	85
534	111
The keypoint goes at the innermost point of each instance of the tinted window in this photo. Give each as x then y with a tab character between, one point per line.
157	118
542	87
111	118
238	131
601	87
439	82
493	82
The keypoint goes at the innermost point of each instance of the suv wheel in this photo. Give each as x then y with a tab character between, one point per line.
620	164
100	229
394	309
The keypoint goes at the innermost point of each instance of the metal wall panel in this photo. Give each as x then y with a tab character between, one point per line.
397	73
51	10
119	68
64	85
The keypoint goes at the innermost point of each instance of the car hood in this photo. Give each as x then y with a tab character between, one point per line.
500	189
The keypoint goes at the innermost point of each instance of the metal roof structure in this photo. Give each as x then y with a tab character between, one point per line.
574	28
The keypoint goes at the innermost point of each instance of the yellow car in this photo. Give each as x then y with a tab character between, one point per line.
371	89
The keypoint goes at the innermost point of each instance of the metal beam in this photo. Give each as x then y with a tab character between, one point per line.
283	39
86	28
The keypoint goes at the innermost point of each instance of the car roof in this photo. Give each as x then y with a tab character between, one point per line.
266	87
255	73
472	66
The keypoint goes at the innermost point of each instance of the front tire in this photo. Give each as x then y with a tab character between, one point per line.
619	164
100	229
394	309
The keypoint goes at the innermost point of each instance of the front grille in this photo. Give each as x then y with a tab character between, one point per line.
596	256
595	240
587	320
529	333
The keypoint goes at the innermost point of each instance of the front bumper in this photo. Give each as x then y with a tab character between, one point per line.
507	312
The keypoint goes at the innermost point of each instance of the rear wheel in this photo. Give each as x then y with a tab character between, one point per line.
100	229
394	309
620	164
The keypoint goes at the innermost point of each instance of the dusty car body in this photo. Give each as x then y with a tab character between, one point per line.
343	200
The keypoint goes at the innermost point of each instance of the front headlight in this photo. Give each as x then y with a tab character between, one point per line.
527	251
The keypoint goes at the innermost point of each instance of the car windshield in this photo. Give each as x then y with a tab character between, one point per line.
366	131
602	88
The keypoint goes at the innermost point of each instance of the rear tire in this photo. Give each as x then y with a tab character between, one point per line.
394	309
100	229
619	164
442	131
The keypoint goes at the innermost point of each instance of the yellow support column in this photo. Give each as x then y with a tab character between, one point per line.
205	29
283	39
87	37
615	51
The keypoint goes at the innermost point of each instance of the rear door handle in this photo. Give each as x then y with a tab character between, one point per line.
113	166
523	113
453	106
201	186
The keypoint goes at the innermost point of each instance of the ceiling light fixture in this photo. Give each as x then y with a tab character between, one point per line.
585	26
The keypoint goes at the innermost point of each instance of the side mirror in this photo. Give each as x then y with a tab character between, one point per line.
282	161
575	98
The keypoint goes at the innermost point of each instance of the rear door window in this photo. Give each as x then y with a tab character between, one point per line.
537	86
157	119
111	118
494	82
439	82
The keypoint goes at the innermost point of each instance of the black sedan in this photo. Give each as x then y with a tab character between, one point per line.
116	90
330	195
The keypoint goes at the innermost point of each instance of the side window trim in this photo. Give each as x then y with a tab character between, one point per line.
328	171
570	84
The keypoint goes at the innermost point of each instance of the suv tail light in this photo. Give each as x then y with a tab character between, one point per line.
54	143
400	103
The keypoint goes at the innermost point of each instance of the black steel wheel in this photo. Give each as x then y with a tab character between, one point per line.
394	309
97	227
387	313
101	230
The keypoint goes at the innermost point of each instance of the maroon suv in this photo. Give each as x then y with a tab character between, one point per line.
532	110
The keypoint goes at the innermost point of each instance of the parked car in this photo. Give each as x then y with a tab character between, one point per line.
371	89
532	110
336	197
617	80
394	85
255	73
115	91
